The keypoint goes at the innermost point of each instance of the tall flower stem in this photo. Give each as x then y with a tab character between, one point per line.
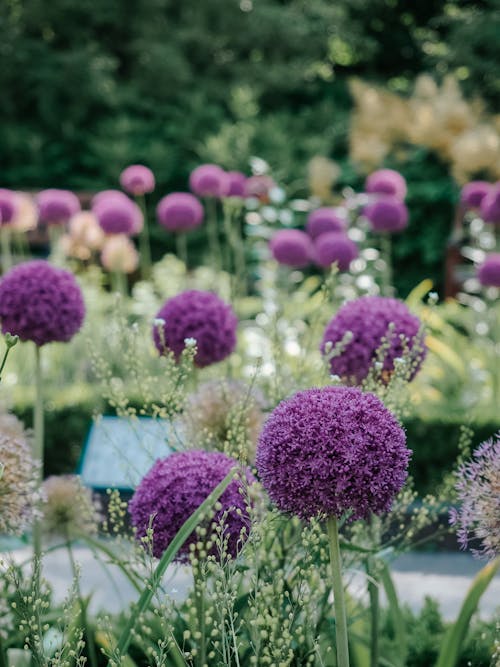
386	249
213	233
144	242
374	612
338	594
6	249
199	594
119	282
181	247
38	440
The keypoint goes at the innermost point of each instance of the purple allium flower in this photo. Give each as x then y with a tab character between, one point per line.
387	214
323	220
334	247
108	194
179	212
489	271
478	486
55	207
117	215
259	186
41	303
473	193
199	315
137	179
330	451
8	206
237	181
291	247
368	319
175	487
209	180
490	205
386	182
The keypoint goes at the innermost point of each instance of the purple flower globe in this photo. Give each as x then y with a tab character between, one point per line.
323	220
175	487
330	451
202	316
368	320
334	247
107	195
489	271
236	187
209	180
490	205
259	186
41	303
179	212
473	193
8	206
117	215
55	207
137	179
386	182
387	214
291	247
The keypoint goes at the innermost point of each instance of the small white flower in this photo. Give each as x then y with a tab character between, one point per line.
190	342
159	322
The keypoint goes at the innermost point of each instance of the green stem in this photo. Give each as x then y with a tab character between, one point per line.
181	247
119	282
338	594
6	249
213	233
38	444
144	242
199	595
374	612
386	248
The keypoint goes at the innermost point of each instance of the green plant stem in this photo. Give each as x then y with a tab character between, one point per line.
386	248
338	594
119	282
144	241
199	595
374	612
181	247
6	249
38	444
213	233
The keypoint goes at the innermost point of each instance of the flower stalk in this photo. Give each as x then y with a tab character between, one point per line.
338	593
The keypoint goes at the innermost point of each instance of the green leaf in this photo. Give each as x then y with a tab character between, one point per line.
451	645
395	612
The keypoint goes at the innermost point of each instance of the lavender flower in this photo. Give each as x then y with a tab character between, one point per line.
368	319
117	214
41	303
237	181
55	207
209	180
478	487
291	247
490	205
387	214
8	206
335	247
68	509
108	194
199	315
386	182
137	179
331	451
179	212
259	186
473	193
323	220
489	271
175	487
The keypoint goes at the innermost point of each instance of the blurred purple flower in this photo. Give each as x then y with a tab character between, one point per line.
237	181
179	212
55	207
291	247
259	186
209	180
386	182
489	271
137	179
334	247
117	214
323	220
490	205
8	206
473	193
387	214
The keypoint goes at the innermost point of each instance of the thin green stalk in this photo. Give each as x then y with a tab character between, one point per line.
38	442
374	612
3	654
199	595
119	282
213	233
6	249
338	594
144	242
181	247
386	248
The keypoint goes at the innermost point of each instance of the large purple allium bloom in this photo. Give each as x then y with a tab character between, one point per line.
137	179
8	206
387	214
334	247
55	207
368	320
489	271
323	220
236	184
41	303
199	315
386	182
175	487
291	247
490	205
179	212
331	451
473	193
478	486
117	215
209	180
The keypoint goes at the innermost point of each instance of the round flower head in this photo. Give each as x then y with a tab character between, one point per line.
323	220
55	207
175	487
259	187
387	214
209	180
478	486
199	315
137	179
117	215
119	254
68	509
84	229
236	184
26	214
386	182
473	193
41	303
490	206
489	271
331	451
370	319
108	194
8	206
179	212
291	247
335	247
